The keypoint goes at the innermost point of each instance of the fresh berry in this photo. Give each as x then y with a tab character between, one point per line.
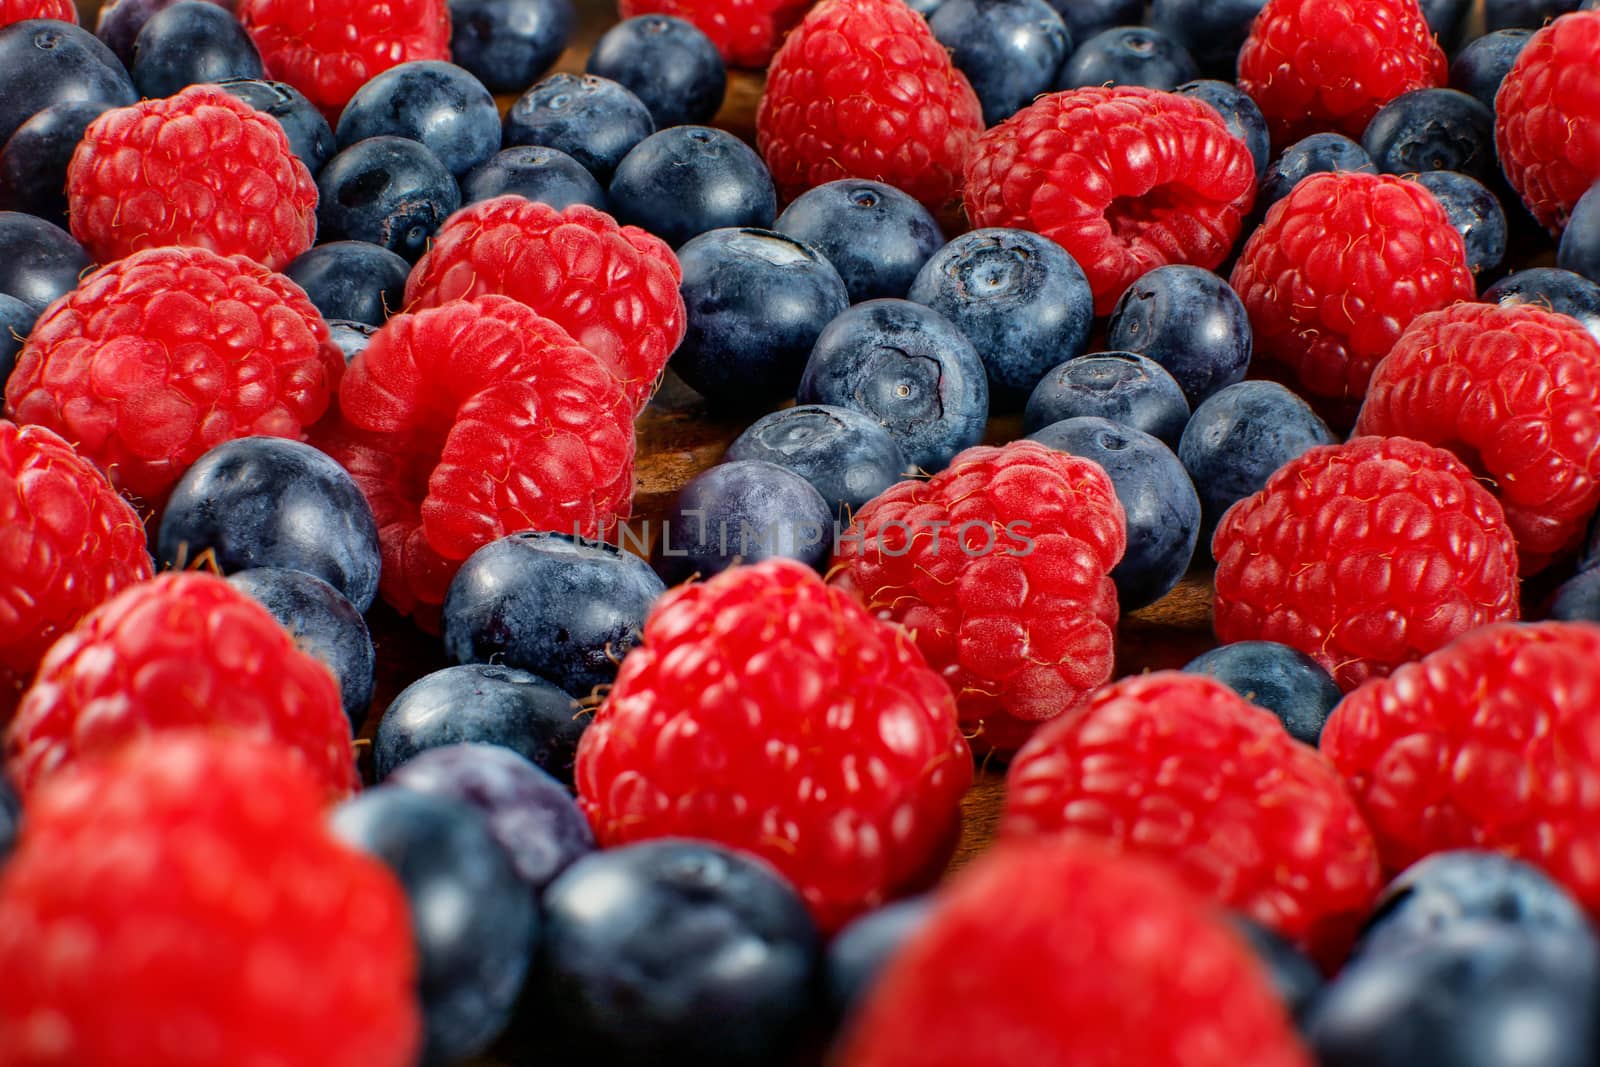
45	63
686	180
10	820
1284	680
1125	388
1523	14
1178	196
388	191
33	163
1210	31
1474	212
1295	978
16	322
1545	118
1010	50
1128	55
1578	598
1240	113
1433	129
858	954
120	21
350	338
745	32
744	511
1579	250
1317	154
310	136
536	173
1480	67
1553	289
39	263
1189	321
594	120
438	104
848	457
508	44
875	236
21	10
1085	18
189	43
352	280
1447	19
671	66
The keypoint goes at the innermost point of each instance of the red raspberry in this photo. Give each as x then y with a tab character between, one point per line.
474	420
746	32
860	89
1342	265
1315	65
1515	392
1175	188
19	10
180	651
1547	117
202	169
164	355
769	712
330	48
1181	768
181	902
1065	956
1364	556
999	567
613	288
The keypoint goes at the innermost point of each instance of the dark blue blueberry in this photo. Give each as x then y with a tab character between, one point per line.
1189	321
507	44
1591	552
482	704
1579	251
530	813
857	956
39	261
1552	288
1447	20
909	368
1523	14
845	455
10	819
593	120
1019	297
438	104
1483	64
925	8
310	136
744	511
686	180
33	164
120	21
666	62
323	623
45	62
1433	129
1010	50
272	502
1122	387
1209	30
547	175
1284	680
756	302
473	919
1294	977
1161	504
1128	55
389	191
351	338
189	43
1474	212
16	322
677	952
1578	598
1240	113
1085	18
352	280
1319	153
563	608
875	236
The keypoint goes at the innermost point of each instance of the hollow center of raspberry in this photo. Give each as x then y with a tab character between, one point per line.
1131	216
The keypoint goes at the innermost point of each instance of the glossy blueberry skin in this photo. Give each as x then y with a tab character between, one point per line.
646	944
39	262
1284	680
33	164
686	180
438	104
1189	321
1128	55
875	236
1480	67
744	511
310	136
1319	153
10	819
1240	113
1579	250
1578	598
352	280
1446	18
323	623
272	502
120	21
16	322
538	173
907	367
756	301
351	338
858	955
593	120
1019	297
1523	14
474	921
188	43
482	704
666	62
1121	387
1010	50
390	191
1552	288
530	813
1211	31
507	44
45	62
845	455
1433	129
1085	18
1474	212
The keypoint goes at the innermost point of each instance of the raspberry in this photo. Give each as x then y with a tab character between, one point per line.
474	420
1173	187
1547	117
999	567
613	288
1364	556
769	712
1514	392
746	32
860	89
1057	955
180	651
1339	268
20	10
67	542
161	356
202	169
182	903
1314	65
1181	768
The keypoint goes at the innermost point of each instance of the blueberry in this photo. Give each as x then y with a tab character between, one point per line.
438	104
16	322
1128	55
1189	321
1447	20
677	952
10	819
1578	598
39	262
538	173
272	502
351	338
45	62
909	368
1121	387
1085	18
1240	113
858	955
1284	680
1433	129
756	302
593	120
530	813
875	236
1019	297
1580	242
666	62
1474	212
474	921
1548	287
189	43
352	280
1483	64
120	21
1317	154
310	136
686	180
389	191
561	607
507	44
1010	50
1591	552
845	455
1161	504
744	512
1519	14
323	623
1294	977
1211	31
482	704
33	164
